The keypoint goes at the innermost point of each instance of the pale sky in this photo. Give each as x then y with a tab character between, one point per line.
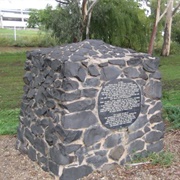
24	4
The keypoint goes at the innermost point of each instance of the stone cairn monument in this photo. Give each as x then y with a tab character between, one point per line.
89	106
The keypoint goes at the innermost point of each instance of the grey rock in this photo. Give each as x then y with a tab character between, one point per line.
116	152
156	118
56	65
54	168
75	173
70	69
131	72
93	135
93	70
160	126
43	163
153	90
101	152
31	93
156	107
81	75
134	61
41	146
91	92
144	108
151	65
112	140
57	83
146	129
156	75
118	62
58	155
36	129
71	96
108	167
79	120
97	160
155	147
103	64
32	154
143	74
44	122
51	103
69	85
139	123
87	104
135	146
29	136
135	135
77	58
110	72
27	78
72	148
153	136
92	82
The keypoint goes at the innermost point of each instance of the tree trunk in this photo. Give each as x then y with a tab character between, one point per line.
154	31
167	31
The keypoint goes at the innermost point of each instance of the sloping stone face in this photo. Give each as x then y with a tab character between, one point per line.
66	90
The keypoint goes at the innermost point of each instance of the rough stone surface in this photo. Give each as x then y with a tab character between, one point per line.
79	120
67	102
94	134
76	172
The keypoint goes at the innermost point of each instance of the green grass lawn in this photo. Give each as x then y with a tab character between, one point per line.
11	87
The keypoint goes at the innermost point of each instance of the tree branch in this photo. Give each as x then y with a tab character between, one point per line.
63	2
175	9
165	11
92	5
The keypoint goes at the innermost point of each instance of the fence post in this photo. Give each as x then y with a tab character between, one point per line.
15	33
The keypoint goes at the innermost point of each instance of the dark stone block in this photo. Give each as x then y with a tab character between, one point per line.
44	123
156	118
43	163
72	148
156	147
89	92
69	85
135	135
118	62
101	153
153	90
71	96
93	135
58	155
79	120
157	107
57	83
56	65
153	136
77	58
50	137
87	104
143	74
41	146
131	72
116	153
27	78
75	173
134	62
54	168
37	130
92	82
110	72
112	140
144	108
29	136
151	65
81	75
139	123
103	64
31	93
93	70
156	75
50	103
70	69
97	160
136	146
160	127
32	154
146	129
68	136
